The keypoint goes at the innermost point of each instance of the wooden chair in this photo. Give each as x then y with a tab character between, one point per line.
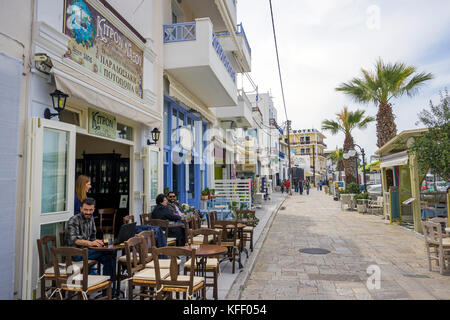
70	277
212	264
443	223
46	272
107	220
375	205
150	242
164	225
139	276
250	221
210	218
438	248
62	243
230	239
145	217
128	219
166	285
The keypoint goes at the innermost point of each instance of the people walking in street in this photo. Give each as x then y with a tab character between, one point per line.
82	186
307	186
300	186
282	186
288	185
320	185
296	185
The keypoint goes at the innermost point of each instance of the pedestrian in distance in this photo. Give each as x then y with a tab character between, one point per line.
300	186
296	185
307	186
287	185
282	186
320	185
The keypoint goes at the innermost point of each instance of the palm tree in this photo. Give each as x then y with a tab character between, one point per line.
387	82
346	122
337	157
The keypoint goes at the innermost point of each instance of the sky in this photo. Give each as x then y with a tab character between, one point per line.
323	43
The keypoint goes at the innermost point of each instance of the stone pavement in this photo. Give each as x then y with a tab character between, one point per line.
355	242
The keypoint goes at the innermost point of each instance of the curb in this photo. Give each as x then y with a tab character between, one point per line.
241	280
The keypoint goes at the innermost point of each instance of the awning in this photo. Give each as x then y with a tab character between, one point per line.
393	160
88	89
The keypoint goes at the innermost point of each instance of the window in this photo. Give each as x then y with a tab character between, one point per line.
70	117
166	124
54	171
153	175
124	132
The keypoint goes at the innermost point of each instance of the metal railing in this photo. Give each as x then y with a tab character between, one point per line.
179	32
223	57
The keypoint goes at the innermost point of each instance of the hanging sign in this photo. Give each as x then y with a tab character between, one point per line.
102	124
98	45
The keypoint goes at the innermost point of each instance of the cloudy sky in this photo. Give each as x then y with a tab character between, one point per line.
323	43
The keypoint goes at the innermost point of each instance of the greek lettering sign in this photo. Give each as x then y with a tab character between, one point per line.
99	46
102	124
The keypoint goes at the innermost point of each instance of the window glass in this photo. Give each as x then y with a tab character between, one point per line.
174	125
191	180
124	132
54	171
153	175
70	117
53	228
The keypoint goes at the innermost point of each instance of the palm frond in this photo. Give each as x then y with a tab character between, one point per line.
331	126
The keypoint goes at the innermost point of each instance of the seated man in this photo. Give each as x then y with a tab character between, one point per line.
81	232
173	205
162	212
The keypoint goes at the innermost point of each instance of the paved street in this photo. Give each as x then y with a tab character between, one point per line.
355	242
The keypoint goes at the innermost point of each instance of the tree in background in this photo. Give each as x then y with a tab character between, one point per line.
387	82
337	157
433	147
346	122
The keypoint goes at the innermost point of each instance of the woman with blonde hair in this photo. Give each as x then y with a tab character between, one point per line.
82	186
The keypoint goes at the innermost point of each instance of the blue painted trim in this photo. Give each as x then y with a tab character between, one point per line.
179	32
223	57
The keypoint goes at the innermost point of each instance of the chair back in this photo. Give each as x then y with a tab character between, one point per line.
248	215
62	238
136	252
187	228
432	233
380	201
149	237
128	219
229	231
442	222
210	218
44	245
196	222
163	224
67	274
107	220
217	235
145	217
173	253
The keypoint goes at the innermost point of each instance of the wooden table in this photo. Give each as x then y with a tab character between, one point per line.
240	227
175	225
205	251
113	249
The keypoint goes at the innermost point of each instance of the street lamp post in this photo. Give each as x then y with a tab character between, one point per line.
364	166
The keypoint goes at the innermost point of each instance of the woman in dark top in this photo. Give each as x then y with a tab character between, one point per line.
162	212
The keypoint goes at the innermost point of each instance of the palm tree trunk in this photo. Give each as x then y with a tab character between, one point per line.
386	128
349	164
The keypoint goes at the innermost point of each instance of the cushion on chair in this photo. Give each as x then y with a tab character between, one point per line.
92	281
199	239
163	264
197	280
62	268
149	274
210	263
171	240
248	229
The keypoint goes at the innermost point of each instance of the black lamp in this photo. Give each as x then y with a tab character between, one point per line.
155	136
59	103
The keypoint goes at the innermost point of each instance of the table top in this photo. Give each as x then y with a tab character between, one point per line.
111	247
207	250
176	225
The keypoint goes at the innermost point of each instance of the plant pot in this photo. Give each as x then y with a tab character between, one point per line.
204	198
362	208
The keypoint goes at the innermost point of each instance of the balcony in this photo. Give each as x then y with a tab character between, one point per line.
241	114
194	57
230	46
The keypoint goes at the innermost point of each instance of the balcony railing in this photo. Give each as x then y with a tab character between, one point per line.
223	57
240	30
187	32
179	32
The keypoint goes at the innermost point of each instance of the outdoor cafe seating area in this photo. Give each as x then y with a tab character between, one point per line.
149	264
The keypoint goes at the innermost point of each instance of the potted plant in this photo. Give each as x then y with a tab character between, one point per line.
213	193
205	194
361	202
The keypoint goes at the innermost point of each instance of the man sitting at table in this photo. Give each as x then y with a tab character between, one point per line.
162	212
81	233
173	205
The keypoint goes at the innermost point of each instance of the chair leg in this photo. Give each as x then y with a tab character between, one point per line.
251	241
234	257
109	292
215	290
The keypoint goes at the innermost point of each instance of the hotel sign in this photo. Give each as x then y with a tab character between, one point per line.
102	124
98	45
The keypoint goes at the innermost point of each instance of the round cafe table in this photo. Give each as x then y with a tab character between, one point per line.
205	251
240	227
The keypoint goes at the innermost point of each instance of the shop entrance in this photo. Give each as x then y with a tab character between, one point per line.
107	163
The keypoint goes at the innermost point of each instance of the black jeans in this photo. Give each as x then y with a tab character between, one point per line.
179	234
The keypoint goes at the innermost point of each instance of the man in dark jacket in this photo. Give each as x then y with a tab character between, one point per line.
162	212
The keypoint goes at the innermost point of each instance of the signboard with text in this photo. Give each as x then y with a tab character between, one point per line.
102	124
99	46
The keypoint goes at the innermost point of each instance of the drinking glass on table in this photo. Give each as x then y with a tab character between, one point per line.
106	239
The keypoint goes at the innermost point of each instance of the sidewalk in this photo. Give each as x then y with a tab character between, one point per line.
355	242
